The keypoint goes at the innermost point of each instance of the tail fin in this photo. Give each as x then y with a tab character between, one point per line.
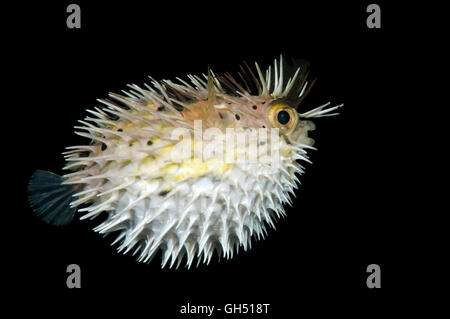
50	199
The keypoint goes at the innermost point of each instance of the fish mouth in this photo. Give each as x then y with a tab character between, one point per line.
300	133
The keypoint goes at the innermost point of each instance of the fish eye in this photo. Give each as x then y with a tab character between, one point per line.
283	117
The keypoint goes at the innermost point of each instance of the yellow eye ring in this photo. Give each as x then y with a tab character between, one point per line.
283	117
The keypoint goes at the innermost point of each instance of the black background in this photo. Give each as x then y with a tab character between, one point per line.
349	212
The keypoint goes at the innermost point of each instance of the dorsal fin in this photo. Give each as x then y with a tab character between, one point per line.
211	90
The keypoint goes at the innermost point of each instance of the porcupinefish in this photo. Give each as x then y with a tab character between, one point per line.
190	167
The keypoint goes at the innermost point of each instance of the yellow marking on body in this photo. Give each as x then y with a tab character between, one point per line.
127	125
155	139
225	168
286	151
108	164
147	160
170	167
167	148
194	168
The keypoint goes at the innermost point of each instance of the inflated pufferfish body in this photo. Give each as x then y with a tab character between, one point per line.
164	164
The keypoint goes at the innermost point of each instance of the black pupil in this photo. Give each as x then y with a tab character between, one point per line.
283	117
